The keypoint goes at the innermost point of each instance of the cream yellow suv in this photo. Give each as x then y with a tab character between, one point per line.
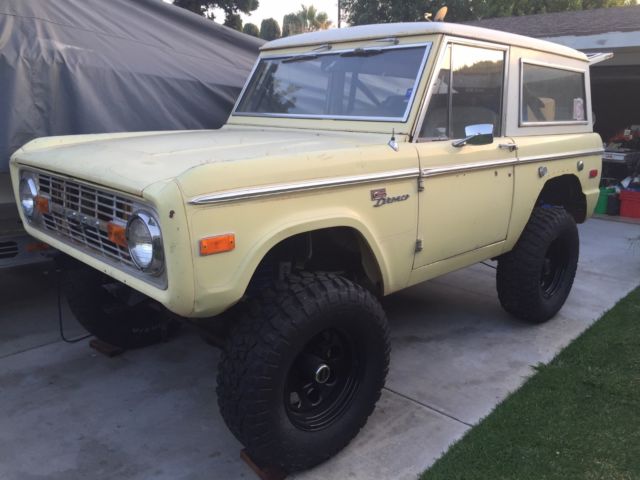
356	162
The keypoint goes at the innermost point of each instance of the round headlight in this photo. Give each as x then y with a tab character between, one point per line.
28	193
145	243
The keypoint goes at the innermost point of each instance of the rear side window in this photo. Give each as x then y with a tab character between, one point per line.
551	95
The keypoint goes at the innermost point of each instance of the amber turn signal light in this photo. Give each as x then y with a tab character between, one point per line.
117	234
217	244
42	205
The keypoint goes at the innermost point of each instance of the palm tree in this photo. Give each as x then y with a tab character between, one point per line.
313	20
323	21
307	19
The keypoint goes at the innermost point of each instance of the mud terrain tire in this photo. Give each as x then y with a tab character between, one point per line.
535	278
303	368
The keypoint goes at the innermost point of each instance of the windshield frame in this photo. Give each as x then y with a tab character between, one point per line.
428	45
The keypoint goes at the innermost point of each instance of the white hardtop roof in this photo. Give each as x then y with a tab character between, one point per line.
384	30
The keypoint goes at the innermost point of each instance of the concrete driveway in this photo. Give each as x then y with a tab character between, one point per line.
70	413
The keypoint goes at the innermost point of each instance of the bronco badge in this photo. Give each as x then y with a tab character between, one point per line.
380	198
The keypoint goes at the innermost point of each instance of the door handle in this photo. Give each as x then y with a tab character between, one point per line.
512	147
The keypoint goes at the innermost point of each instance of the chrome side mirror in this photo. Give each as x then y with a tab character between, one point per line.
480	134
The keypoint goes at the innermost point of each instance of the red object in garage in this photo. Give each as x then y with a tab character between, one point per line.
630	204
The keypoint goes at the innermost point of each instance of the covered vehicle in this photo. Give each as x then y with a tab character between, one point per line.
90	66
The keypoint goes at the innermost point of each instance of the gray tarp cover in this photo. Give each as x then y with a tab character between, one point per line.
94	66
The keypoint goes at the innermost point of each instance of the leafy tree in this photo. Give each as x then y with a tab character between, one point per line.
195	6
511	8
205	7
269	29
590	4
233	21
251	29
360	12
291	25
307	19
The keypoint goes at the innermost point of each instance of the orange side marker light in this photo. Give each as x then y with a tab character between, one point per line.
217	244
117	234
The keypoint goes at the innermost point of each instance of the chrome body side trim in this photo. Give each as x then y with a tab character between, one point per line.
308	185
284	188
470	167
561	156
466	167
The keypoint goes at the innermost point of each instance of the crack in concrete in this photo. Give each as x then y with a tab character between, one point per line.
417	402
28	349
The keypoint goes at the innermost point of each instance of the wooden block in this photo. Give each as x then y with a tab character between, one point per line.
263	472
105	348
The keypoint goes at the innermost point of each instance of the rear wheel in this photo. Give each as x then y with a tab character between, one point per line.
303	368
535	278
114	312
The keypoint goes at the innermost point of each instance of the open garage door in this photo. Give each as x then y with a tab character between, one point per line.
615	93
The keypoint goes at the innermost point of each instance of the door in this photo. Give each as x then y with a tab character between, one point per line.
467	191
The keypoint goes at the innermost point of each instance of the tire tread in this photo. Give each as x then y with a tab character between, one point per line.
264	325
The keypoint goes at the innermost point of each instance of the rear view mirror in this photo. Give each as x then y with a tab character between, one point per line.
479	134
479	129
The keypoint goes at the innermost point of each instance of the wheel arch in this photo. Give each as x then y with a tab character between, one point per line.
322	245
565	191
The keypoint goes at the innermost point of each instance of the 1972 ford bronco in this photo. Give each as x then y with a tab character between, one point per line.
356	162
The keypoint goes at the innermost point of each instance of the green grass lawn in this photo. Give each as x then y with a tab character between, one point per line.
576	418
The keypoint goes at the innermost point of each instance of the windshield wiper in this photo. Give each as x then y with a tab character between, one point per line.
361	52
300	58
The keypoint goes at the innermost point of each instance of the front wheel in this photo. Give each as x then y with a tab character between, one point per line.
303	368
535	278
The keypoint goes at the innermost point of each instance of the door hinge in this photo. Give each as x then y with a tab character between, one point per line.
418	245
420	184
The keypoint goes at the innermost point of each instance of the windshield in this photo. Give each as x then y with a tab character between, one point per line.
369	84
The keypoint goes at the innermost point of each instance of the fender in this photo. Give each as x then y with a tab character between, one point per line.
213	298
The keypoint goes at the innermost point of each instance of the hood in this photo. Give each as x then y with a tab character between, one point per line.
132	162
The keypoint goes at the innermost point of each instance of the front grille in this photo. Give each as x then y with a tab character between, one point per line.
8	249
80	213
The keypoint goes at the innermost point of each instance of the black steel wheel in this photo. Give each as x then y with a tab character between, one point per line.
303	368
322	380
554	268
535	278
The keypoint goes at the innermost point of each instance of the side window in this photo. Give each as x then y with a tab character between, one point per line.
551	94
468	91
436	121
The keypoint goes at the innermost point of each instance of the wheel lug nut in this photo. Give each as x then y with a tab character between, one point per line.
322	374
